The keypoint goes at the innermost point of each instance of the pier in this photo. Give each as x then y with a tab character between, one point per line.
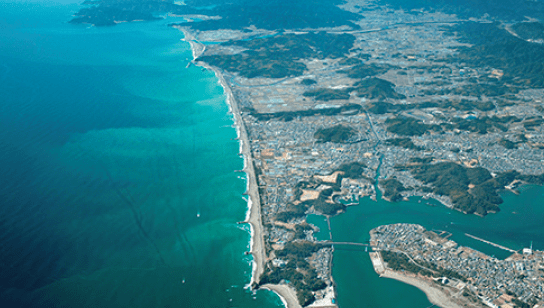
329	225
491	243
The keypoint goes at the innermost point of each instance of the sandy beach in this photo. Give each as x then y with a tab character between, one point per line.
287	294
257	247
436	295
440	296
254	206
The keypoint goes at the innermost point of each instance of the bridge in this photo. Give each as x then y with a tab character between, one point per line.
346	243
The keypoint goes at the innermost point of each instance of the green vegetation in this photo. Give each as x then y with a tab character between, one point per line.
520	304
274	15
484	125
297	271
352	170
312	45
475	89
532	122
371	88
251	65
471	190
468	105
531	179
109	12
321	205
360	71
508	144
383	107
400	262
350	61
529	30
462	105
404	143
299	249
300	230
464	9
392	189
327	94
434	83
454	181
279	56
405	126
291	212
308	82
337	134
376	88
290	115
495	47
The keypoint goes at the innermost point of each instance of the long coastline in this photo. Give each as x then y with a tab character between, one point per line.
253	217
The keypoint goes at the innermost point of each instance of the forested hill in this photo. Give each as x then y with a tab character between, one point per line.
271	15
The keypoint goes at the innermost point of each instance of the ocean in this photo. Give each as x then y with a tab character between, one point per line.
117	169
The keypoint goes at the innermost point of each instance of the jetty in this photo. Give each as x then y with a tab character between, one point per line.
491	243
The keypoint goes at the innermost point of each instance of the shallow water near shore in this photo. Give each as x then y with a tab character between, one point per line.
118	186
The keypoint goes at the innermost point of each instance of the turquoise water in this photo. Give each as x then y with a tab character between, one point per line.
320	222
118	186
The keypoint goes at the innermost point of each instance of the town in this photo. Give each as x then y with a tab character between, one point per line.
517	281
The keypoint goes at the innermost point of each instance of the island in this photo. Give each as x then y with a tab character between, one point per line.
335	100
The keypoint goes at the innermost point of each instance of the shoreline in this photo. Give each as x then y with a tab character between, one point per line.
253	216
286	294
436	295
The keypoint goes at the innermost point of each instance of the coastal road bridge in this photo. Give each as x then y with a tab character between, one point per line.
346	243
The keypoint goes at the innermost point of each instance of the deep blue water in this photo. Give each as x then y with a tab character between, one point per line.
117	182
